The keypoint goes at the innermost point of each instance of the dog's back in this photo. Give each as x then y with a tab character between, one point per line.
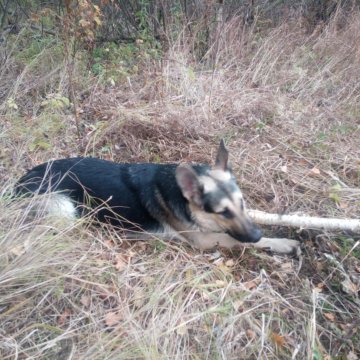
129	195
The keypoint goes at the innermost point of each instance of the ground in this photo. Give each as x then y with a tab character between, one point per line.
286	101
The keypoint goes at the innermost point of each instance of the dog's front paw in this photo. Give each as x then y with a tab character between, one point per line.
280	245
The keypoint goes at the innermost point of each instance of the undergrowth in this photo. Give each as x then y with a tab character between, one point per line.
285	101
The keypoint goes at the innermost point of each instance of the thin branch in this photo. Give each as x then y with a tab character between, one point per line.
299	221
4	9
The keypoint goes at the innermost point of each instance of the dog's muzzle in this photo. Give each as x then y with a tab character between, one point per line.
252	236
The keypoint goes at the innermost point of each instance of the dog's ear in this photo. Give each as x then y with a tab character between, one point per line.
189	184
222	158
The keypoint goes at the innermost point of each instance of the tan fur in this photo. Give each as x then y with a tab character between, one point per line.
206	221
220	175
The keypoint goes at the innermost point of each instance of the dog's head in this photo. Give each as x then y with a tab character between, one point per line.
215	200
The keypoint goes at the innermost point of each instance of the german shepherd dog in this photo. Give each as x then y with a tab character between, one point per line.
196	203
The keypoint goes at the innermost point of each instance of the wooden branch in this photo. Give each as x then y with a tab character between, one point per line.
49	32
9	28
4	10
307	222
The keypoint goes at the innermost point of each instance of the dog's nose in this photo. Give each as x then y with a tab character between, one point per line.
252	235
255	234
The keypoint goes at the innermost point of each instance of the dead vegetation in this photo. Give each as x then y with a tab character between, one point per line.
286	102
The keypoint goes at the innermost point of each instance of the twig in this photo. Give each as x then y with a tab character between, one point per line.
300	221
70	58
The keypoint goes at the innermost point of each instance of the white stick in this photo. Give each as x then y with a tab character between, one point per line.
298	221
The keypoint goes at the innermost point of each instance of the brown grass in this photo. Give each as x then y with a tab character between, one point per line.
286	102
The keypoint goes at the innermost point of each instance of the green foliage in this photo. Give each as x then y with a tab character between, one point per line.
106	149
41	129
39	144
335	193
347	244
156	159
317	354
11	104
321	136
142	17
344	129
47	127
159	246
260	125
33	46
56	102
113	62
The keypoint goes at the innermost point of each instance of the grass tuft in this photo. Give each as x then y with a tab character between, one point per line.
285	101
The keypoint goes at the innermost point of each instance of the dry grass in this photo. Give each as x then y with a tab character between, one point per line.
287	104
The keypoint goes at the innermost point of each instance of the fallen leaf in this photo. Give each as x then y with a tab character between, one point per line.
302	162
63	317
320	286
85	300
237	304
141	246
344	327
225	269
109	243
206	295
349	287
182	329
221	283
285	311
251	284
35	17
18	250
288	266
250	333
230	263
120	263
343	205
315	171
140	297
330	316
278	339
112	318
142	268
352	356
100	262
294	181
189	275
284	169
129	255
147	280
103	295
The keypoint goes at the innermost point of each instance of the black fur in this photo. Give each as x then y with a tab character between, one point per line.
130	190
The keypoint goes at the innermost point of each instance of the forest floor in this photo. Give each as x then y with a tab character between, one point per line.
287	104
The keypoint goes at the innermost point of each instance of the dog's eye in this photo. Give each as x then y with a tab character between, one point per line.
226	213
